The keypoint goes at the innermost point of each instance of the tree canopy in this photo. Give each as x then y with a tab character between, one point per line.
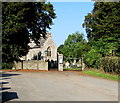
102	27
74	46
22	21
103	33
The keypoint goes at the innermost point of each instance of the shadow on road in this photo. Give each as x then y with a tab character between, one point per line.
5	78
4	82
8	75
6	96
4	88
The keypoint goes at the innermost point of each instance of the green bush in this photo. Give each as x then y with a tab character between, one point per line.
7	65
91	58
110	64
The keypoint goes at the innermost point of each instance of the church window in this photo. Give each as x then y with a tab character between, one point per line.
48	51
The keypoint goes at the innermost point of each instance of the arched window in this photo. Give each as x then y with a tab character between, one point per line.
48	51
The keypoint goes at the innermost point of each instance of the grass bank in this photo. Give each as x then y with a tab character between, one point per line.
103	75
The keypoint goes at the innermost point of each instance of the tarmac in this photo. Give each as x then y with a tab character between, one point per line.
56	86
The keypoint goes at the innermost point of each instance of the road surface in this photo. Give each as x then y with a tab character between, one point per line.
57	86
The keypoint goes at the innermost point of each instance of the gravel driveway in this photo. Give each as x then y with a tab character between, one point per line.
57	86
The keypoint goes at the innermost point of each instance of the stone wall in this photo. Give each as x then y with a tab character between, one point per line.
32	64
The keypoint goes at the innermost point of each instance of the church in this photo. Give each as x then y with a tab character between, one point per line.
47	50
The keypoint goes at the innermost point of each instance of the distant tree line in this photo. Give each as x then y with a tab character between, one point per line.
103	33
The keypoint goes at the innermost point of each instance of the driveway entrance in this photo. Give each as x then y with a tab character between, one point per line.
52	65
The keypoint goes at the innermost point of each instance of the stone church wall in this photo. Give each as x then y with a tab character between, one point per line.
51	44
32	64
47	43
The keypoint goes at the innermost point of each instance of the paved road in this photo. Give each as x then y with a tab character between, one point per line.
57	86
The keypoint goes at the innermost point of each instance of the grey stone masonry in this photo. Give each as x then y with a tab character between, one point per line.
32	64
42	48
60	62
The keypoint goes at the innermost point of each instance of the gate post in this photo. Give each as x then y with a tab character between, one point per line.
60	62
83	64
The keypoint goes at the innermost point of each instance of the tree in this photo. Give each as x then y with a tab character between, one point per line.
92	57
102	26
74	46
20	22
59	49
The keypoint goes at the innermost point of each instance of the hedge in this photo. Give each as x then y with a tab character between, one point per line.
7	65
110	64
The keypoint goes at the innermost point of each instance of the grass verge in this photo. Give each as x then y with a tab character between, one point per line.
103	75
73	69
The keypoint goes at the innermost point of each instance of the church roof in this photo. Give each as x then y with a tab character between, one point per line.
42	40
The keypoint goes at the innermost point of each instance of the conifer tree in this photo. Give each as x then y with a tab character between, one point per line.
102	27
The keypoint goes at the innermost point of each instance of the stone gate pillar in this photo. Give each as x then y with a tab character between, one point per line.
83	64
60	62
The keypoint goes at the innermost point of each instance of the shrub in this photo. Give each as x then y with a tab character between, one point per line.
91	58
7	65
110	64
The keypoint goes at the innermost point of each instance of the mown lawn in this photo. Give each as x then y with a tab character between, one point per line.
103	75
73	69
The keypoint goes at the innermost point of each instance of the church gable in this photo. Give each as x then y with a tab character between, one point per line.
46	50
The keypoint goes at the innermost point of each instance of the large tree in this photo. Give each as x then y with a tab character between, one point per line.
102	27
74	46
20	22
